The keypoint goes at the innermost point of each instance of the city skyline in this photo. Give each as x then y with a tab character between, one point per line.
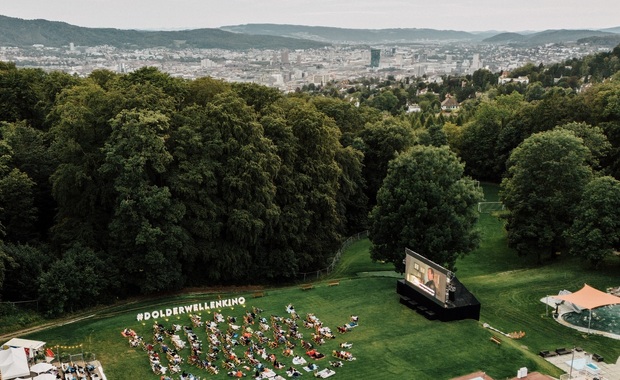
464	15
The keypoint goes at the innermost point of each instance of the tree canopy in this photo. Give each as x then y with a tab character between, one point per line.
150	182
426	204
545	180
595	232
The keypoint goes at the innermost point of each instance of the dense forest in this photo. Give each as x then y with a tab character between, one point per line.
116	185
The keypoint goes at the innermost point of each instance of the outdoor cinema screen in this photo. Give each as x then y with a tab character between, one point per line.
427	276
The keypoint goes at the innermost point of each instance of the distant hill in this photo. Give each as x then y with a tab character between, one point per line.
612	30
610	41
18	32
547	36
352	36
504	38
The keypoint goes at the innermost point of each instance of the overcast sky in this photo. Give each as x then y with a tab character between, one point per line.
466	15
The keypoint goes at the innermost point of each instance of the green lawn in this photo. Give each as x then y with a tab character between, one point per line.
391	342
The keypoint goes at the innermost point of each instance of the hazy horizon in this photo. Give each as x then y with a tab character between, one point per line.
462	15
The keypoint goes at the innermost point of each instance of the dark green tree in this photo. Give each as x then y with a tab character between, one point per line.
202	90
426	204
595	231
245	166
73	283
545	179
17	204
348	118
317	175
27	264
257	96
380	143
80	129
593	138
480	138
147	240
351	198
433	135
385	101
30	154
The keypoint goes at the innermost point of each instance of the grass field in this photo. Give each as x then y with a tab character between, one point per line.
391	341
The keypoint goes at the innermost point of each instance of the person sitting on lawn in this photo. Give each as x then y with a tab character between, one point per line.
236	373
298	360
278	365
314	354
293	372
343	355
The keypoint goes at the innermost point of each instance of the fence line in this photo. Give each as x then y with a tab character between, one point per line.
23	304
346	244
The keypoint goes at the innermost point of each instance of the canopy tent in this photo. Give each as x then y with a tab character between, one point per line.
39	368
45	376
13	363
589	298
32	346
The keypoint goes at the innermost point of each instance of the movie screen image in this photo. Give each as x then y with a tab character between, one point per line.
426	275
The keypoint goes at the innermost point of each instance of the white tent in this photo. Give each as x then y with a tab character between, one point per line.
32	345
41	367
45	376
13	363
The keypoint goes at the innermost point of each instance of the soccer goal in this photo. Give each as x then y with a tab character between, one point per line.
489	207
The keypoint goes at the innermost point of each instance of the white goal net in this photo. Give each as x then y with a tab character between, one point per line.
489	207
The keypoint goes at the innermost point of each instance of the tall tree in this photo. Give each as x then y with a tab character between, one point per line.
480	138
246	166
73	283
352	201
348	118
18	212
380	143
147	240
426	204
545	179
595	231
317	175
79	131
311	222
593	138
26	265
30	154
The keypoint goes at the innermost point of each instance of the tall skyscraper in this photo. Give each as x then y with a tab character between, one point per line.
476	63
284	57
375	57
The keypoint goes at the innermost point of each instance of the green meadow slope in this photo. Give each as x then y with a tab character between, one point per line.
391	341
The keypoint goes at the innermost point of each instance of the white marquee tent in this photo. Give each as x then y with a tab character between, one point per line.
13	363
32	346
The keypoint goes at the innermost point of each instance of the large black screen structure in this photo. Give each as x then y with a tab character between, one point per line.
426	275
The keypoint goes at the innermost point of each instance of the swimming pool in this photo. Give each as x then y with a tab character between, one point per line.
605	318
592	368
